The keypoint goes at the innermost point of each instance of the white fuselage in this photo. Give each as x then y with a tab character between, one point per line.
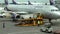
47	11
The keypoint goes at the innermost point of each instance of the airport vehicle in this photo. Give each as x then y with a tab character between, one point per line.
47	28
47	11
56	32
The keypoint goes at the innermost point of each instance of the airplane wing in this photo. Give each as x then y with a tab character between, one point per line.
22	12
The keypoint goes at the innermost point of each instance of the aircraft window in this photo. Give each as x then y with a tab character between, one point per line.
54	10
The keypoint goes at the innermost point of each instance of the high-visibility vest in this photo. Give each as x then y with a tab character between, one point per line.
38	22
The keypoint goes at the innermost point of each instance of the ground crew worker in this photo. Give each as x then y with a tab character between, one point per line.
30	21
3	25
38	23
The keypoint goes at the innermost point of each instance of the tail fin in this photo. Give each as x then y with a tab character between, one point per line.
29	3
13	2
6	2
51	2
6	9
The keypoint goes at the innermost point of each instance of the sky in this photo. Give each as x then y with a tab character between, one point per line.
40	1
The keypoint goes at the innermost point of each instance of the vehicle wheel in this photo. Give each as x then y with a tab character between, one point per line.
41	30
50	32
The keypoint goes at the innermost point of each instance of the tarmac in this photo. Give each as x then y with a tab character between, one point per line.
10	28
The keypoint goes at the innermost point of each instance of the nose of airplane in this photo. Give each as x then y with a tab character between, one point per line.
57	13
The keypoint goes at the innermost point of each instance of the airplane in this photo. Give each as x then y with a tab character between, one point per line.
47	11
27	3
51	2
30	3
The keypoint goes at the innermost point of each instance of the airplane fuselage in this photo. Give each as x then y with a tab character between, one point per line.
44	10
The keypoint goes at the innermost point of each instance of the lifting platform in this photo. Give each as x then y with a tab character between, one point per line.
30	21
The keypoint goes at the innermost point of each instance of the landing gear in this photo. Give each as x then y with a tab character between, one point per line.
50	22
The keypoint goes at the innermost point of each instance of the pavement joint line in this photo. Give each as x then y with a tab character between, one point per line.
23	32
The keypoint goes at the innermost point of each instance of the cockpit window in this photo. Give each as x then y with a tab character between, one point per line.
54	10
